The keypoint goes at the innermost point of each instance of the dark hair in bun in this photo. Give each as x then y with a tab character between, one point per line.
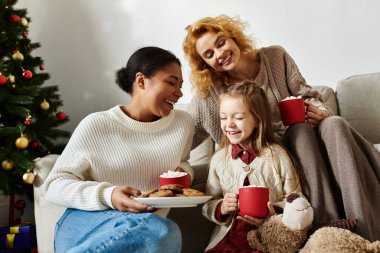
147	60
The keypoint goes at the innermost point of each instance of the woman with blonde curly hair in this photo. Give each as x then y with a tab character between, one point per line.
339	169
201	73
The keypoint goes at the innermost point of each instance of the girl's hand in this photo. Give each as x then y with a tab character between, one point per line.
258	221
314	114
121	200
229	204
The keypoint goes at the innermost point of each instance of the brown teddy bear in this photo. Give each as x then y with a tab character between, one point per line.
284	233
338	240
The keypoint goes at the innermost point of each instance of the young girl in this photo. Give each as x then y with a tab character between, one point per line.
248	155
114	155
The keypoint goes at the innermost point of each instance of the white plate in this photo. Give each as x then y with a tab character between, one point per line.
168	202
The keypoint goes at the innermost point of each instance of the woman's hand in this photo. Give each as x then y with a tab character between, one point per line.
229	204
314	114
121	200
258	221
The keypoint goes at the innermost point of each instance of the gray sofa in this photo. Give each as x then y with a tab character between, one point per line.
356	99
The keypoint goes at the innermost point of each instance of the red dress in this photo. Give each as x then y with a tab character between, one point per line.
236	238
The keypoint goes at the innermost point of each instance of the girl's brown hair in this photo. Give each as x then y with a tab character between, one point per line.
201	75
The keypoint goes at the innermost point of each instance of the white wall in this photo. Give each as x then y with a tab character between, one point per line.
85	41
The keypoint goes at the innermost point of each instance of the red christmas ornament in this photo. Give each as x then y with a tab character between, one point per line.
14	18
61	116
3	80
27	122
42	67
14	51
20	204
25	35
35	144
27	74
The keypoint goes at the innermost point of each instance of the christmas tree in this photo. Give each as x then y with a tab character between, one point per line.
29	113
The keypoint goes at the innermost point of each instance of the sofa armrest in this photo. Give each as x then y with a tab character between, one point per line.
43	166
46	213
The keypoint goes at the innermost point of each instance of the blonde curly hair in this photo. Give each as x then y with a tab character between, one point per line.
201	75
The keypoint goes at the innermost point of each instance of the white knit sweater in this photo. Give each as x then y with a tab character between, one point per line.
110	149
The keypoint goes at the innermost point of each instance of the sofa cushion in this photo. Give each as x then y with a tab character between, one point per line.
359	102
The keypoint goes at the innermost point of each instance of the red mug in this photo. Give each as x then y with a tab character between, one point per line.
253	201
292	111
182	180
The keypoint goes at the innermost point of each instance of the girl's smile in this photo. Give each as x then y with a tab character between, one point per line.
237	122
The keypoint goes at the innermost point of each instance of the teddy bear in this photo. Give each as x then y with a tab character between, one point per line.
338	240
286	232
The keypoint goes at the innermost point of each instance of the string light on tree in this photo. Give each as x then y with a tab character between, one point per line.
3	35
12	78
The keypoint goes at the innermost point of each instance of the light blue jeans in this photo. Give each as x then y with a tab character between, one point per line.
113	231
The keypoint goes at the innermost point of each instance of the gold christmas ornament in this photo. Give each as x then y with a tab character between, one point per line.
24	21
22	142
17	56
7	164
28	177
45	105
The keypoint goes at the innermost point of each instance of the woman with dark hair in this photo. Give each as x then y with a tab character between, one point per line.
115	155
340	170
